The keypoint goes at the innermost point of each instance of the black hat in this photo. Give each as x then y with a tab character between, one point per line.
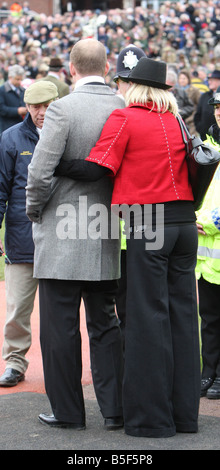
214	74
149	72
55	64
216	98
127	60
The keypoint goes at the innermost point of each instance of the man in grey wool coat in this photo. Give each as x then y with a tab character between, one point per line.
72	260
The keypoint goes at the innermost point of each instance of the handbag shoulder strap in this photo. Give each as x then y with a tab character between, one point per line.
185	133
191	141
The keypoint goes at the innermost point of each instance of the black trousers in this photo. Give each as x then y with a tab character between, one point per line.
162	359
209	310
121	294
61	346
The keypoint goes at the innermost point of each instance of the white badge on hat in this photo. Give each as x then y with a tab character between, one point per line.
130	60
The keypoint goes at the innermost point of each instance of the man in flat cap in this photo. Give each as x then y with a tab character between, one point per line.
16	149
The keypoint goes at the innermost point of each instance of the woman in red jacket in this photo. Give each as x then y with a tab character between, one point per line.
142	146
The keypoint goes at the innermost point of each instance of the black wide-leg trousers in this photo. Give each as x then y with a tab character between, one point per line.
61	346
209	296
162	360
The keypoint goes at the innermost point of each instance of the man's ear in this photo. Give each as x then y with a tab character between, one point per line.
107	67
72	69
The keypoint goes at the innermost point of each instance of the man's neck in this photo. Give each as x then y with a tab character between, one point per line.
91	78
54	74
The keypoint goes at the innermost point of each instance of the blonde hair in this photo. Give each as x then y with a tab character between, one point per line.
89	57
163	99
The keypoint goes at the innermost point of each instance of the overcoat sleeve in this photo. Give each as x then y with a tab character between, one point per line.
47	155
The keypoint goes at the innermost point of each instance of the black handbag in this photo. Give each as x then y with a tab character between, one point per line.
202	161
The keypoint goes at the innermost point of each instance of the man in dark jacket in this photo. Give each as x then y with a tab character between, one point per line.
16	150
12	106
204	116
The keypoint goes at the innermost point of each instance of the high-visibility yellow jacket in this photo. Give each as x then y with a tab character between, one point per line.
208	264
123	236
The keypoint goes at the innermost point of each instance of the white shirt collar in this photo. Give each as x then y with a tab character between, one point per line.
91	78
53	74
39	130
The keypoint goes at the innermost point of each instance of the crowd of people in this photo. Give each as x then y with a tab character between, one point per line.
172	51
185	34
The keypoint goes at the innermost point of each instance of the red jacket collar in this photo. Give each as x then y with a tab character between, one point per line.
148	106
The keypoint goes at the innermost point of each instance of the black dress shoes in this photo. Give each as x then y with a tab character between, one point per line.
10	378
205	385
50	420
213	392
112	424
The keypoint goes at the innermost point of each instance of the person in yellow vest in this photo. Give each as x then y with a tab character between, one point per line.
208	271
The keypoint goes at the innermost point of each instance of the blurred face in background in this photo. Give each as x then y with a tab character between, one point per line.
214	83
183	80
16	81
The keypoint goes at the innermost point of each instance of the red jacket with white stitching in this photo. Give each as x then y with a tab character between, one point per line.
145	151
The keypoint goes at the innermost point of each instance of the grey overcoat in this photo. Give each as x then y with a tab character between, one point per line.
71	237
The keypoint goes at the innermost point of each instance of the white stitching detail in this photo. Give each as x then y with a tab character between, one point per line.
169	156
109	148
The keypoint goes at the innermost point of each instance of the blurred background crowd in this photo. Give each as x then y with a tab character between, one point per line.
184	34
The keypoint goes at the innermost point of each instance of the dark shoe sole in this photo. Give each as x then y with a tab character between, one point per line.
62	425
113	428
213	397
112	424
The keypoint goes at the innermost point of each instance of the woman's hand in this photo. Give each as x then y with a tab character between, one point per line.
200	229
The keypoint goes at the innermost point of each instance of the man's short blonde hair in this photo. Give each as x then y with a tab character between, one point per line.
89	57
